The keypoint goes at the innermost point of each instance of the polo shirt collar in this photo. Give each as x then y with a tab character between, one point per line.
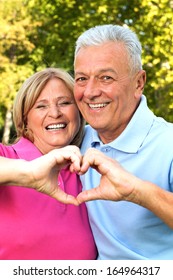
131	139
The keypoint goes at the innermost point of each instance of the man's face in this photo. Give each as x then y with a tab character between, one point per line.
105	91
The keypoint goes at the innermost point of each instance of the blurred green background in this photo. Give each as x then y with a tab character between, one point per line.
35	34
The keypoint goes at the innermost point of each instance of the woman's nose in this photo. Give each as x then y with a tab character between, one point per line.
55	111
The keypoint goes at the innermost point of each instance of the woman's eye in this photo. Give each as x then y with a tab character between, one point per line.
41	106
65	103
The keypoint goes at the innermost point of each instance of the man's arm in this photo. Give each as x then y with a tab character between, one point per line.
117	184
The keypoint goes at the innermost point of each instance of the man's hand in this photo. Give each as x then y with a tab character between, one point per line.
116	183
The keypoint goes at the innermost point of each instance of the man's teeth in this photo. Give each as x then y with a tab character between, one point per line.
56	126
96	106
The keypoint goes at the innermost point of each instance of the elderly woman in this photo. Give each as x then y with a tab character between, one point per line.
33	224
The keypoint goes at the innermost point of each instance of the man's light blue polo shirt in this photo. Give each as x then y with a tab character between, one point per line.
124	230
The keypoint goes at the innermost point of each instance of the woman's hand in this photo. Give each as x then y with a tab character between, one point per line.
41	174
44	172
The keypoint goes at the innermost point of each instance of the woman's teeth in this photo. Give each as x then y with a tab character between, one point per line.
55	126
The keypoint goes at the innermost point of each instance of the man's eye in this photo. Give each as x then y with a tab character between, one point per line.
106	78
80	79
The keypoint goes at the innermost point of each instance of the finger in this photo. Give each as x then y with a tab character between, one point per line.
75	162
73	149
69	156
95	161
85	164
76	159
65	198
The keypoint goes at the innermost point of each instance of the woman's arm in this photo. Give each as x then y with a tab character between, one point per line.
41	174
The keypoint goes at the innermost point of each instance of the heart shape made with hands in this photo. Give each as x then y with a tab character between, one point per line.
115	182
113	175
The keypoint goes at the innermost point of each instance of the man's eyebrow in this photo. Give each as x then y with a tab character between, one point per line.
79	73
99	71
107	70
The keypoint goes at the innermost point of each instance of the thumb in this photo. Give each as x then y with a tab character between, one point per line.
89	195
65	198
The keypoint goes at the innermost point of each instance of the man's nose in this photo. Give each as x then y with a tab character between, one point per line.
92	89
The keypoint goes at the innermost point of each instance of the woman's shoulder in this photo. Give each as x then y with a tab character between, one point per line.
7	151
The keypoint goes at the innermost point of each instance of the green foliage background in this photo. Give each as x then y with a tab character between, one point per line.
38	33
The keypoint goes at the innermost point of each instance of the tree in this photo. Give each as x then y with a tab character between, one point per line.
15	47
40	33
153	22
63	21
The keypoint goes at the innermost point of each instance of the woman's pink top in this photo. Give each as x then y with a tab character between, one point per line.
37	227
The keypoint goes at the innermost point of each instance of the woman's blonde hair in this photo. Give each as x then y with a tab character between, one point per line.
29	93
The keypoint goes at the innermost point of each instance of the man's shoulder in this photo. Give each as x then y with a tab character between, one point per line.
160	136
162	126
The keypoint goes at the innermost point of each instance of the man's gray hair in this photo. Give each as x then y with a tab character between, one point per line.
115	33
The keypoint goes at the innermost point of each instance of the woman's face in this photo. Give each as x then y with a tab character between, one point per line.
54	119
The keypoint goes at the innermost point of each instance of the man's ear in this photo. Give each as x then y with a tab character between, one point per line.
140	83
